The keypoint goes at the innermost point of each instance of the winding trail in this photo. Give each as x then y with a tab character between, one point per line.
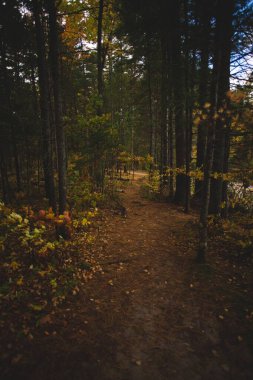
147	316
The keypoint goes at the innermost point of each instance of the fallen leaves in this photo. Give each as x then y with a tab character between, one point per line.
145	275
17	359
47	319
36	307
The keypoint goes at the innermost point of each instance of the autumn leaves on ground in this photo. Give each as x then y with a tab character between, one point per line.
149	312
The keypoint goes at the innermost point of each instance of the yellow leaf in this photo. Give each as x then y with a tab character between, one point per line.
14	265
50	216
197	120
53	283
20	281
42	273
85	222
36	307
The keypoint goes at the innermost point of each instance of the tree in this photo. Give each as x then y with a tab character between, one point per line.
221	147
99	51
55	70
204	12
44	104
220	77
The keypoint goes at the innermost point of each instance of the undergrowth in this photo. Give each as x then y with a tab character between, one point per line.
45	257
234	234
151	188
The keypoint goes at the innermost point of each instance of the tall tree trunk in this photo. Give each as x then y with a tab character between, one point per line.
224	211
16	157
218	96
170	118
179	103
59	128
205	29
188	112
34	91
171	147
164	124
150	104
44	105
14	122
4	177
220	162
9	106
98	165
99	53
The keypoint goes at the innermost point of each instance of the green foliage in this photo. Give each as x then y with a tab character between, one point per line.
101	136
80	196
17	232
36	269
151	189
149	162
235	234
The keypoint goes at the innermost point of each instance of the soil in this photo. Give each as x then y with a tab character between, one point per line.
153	313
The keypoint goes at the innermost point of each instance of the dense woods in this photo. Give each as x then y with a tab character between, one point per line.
123	78
92	91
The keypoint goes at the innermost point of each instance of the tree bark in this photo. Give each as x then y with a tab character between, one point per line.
99	53
164	124
205	29
59	128
7	85
4	177
44	105
222	41
188	112
220	163
179	103
150	103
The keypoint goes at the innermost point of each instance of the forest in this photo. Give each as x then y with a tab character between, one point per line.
126	189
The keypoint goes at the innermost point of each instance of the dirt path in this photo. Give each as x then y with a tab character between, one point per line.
151	315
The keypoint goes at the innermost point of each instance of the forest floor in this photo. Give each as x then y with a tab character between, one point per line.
152	313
